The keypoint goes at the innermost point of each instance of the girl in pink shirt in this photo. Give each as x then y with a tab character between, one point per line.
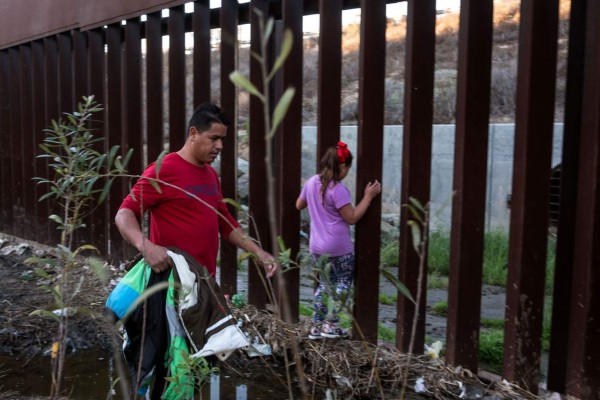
331	213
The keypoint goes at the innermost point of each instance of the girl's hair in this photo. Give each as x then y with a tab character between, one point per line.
330	165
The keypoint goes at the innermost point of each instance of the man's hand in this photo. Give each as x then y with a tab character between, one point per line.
156	256
268	262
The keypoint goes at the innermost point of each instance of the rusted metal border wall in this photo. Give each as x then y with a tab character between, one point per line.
45	72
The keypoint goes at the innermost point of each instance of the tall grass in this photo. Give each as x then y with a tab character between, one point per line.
495	257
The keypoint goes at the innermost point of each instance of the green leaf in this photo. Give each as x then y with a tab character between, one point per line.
415	213
400	287
46	314
89	185
42	273
232	202
72	119
118	164
416	234
286	48
77	289
281	109
268	31
245	255
105	191
127	157
44	197
111	156
56	219
99	268
159	161
281	243
155	185
242	82
86	247
415	202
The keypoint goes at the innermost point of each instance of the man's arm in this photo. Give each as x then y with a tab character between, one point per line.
241	240
131	231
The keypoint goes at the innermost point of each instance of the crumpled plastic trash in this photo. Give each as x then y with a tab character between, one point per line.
67	311
15	248
258	349
434	350
261	349
342	381
420	385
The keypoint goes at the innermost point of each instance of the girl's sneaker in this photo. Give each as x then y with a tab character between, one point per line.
332	331
315	332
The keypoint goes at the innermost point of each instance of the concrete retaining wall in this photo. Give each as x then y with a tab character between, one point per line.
500	165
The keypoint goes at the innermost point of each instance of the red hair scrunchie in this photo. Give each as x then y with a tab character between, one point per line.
342	152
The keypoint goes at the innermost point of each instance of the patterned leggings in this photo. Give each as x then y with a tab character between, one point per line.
336	286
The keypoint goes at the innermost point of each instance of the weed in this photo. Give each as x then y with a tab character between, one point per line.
440	308
80	179
492	323
491	349
387	299
439	253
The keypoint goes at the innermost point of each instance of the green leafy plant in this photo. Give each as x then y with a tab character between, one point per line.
419	227
192	374
271	123
440	308
79	180
387	299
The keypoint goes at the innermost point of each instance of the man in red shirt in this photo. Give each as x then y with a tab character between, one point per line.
188	212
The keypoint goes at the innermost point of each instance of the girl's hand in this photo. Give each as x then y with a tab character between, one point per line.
373	189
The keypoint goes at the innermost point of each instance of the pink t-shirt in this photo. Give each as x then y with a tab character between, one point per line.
178	219
329	233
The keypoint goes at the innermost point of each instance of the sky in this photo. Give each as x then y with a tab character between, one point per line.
311	23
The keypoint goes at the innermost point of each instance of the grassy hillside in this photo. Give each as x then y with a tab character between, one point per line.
504	68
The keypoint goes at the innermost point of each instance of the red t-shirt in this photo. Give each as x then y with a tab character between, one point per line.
177	218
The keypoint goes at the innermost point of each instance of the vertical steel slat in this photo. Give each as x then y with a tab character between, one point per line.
66	99
132	95
51	78
470	175
290	140
201	68
565	241
583	361
177	122
65	89
114	112
29	200
258	188
52	111
154	86
525	287
369	164
97	75
330	76
5	150
229	44
416	160
39	124
80	89
16	143
80	65
65	73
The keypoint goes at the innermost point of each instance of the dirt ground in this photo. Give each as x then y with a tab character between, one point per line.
22	292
